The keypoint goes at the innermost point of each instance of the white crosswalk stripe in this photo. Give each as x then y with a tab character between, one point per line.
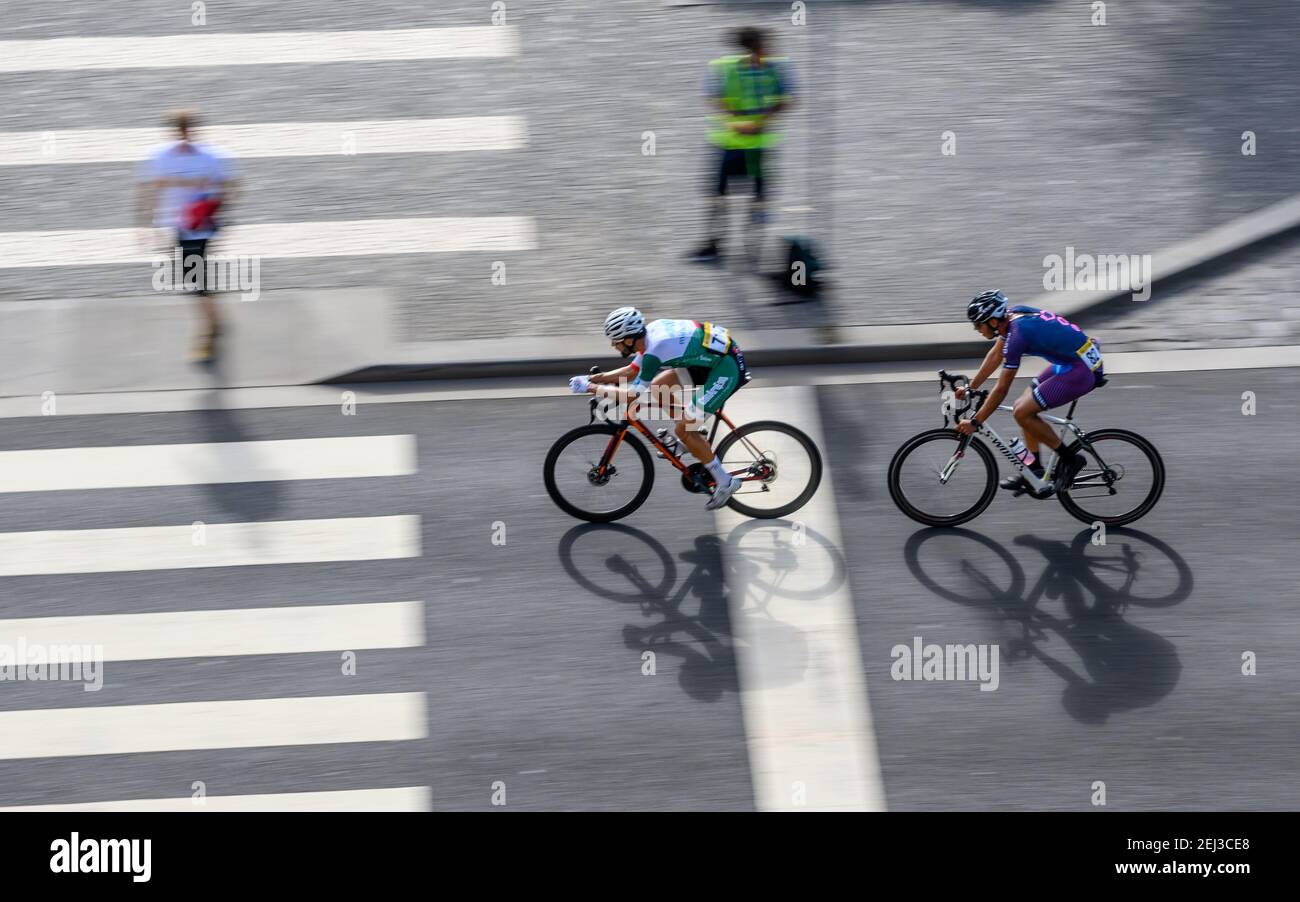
86	247
203	463
201	48
203	545
271	139
811	743
189	726
403	798
242	631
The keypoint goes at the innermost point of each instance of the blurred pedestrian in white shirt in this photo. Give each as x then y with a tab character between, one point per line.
184	187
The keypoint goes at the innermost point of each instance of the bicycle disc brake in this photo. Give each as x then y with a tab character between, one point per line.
595	477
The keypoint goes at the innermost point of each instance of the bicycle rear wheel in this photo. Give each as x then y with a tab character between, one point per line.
1120	482
917	487
780	465
578	487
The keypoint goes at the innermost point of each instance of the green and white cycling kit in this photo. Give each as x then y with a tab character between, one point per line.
704	350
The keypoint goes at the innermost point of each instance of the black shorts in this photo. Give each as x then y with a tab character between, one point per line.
741	164
195	247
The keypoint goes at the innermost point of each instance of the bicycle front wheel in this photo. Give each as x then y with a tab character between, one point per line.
577	484
1121	479
780	465
918	485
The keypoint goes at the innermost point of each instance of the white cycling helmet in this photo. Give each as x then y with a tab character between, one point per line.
624	322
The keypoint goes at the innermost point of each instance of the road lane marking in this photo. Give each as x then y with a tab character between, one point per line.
202	545
202	49
802	689
402	798
188	726
275	240
203	463
270	139
242	631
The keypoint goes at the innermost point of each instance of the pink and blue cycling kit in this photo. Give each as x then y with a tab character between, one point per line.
1076	359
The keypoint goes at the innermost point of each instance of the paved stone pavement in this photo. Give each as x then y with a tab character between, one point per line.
1123	138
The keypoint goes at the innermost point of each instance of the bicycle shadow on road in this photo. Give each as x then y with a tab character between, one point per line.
691	613
1126	666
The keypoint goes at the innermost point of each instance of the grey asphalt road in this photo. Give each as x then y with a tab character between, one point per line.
530	678
1122	138
1127	658
1121	663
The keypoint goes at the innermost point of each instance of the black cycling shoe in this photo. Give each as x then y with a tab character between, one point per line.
1070	468
1015	484
1018	484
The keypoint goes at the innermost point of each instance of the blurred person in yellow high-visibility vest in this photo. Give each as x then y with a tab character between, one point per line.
748	91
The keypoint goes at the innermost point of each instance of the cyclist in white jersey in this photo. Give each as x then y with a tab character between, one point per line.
671	355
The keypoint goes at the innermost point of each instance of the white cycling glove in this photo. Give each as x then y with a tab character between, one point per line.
579	384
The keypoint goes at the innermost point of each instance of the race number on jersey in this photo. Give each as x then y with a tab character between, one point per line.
716	338
1091	354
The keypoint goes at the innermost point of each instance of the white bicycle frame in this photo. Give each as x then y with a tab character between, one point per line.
1036	482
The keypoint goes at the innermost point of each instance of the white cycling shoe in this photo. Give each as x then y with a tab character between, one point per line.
722	493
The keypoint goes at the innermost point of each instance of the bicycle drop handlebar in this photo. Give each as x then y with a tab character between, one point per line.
973	400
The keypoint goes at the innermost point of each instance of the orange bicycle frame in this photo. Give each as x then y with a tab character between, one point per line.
670	456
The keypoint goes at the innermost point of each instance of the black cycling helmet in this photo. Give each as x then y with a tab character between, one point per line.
987	306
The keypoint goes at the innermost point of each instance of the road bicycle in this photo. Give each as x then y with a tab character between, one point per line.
935	481
779	465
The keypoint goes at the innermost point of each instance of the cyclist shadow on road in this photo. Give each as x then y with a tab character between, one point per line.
1125	666
691	613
